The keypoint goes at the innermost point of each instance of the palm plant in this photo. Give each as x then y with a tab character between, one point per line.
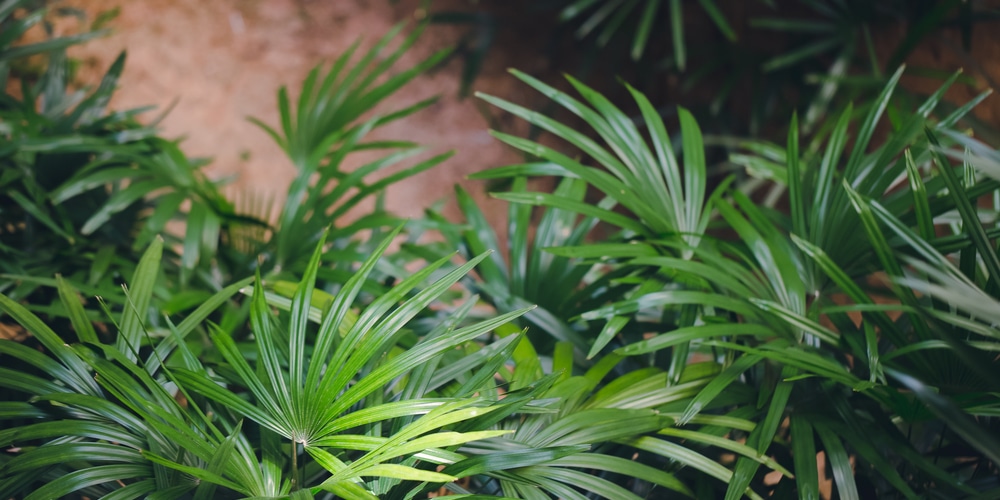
665	203
583	430
615	437
107	421
810	56
14	27
533	277
705	345
609	18
831	51
336	408
956	275
319	133
597	23
79	182
84	191
762	293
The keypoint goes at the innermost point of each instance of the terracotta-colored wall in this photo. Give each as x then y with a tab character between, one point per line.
223	60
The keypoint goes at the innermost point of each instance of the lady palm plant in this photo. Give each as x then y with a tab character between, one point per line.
86	190
79	182
89	408
330	121
762	293
950	366
102	186
325	401
14	27
589	447
533	276
606	19
648	181
611	436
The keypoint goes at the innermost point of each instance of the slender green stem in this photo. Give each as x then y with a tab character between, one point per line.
295	466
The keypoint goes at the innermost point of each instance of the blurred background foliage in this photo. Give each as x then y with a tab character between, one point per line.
741	67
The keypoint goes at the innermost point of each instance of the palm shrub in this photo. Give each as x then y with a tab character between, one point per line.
704	338
335	111
606	20
665	202
528	275
609	433
330	120
84	190
830	54
14	27
603	411
753	64
772	297
326	401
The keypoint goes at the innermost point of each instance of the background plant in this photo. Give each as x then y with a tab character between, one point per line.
84	190
320	132
767	302
742	68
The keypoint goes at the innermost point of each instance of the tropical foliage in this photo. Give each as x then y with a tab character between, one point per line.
314	423
740	67
647	329
817	333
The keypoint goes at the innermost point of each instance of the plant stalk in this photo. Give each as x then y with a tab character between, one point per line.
295	466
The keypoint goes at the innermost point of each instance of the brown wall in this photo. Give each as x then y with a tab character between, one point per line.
223	60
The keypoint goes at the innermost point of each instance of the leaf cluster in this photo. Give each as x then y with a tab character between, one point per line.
646	332
836	326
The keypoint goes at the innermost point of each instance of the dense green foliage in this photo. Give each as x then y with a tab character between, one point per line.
646	332
813	325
